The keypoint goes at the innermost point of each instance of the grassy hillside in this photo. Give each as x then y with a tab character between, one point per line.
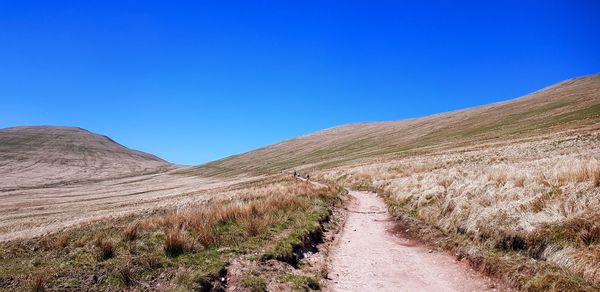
44	155
567	105
524	210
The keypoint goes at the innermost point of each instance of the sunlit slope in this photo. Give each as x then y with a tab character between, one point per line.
43	155
567	105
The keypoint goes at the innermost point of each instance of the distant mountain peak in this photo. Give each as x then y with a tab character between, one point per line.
32	156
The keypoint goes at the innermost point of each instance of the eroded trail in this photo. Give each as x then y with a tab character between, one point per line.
370	257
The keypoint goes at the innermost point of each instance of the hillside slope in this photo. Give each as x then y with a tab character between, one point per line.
43	155
567	105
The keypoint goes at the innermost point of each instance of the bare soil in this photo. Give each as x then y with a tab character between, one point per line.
370	256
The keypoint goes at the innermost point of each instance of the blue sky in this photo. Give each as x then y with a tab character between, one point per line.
194	81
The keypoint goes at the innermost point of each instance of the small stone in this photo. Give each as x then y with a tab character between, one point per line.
430	251
407	230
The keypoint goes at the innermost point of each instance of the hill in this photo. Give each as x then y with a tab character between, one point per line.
567	105
510	187
45	155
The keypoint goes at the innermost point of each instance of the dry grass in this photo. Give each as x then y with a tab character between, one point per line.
253	214
519	181
501	196
256	226
57	241
151	262
578	170
175	243
206	235
126	276
131	231
37	282
112	198
189	244
62	240
408	169
500	178
106	248
445	183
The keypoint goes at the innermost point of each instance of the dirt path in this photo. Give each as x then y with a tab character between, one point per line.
369	257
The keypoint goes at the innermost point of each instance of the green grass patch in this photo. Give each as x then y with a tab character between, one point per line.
300	282
254	282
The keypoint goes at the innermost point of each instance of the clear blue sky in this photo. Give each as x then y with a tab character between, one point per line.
196	81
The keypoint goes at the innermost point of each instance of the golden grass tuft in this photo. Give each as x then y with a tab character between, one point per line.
578	170
445	183
131	231
206	235
62	240
519	181
175	243
255	226
106	248
38	281
499	177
